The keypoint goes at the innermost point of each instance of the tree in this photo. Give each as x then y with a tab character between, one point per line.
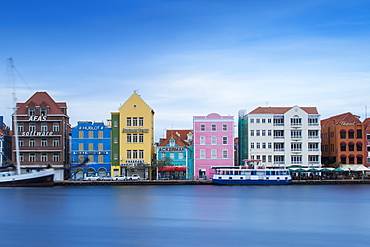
160	164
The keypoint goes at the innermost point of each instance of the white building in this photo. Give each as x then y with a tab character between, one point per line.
284	136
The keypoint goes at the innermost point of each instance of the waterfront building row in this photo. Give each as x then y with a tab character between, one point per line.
279	136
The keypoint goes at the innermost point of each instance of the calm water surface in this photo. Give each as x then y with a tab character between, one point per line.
204	215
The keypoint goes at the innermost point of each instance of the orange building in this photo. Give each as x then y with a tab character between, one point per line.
342	140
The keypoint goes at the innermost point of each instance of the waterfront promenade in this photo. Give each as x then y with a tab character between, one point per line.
202	182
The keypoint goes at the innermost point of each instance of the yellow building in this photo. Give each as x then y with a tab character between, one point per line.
133	138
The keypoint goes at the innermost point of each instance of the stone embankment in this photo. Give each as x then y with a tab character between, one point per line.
200	182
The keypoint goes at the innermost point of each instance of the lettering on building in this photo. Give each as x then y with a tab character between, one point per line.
37	118
90	153
171	149
91	128
37	133
135	130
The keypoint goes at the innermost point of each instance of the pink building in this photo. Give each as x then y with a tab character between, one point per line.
213	143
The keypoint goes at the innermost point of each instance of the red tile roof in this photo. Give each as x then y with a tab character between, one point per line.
38	99
178	140
341	119
281	110
183	133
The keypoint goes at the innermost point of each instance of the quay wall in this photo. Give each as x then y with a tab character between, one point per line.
200	182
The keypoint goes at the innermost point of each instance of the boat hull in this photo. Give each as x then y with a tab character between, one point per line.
36	179
251	182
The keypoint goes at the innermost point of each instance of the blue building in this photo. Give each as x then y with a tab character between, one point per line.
5	144
91	140
178	147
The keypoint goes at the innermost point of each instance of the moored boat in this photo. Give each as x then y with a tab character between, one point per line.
44	178
251	173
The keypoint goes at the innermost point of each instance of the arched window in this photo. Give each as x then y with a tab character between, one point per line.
351	159
359	159
343	134
359	146
343	159
351	134
351	146
342	146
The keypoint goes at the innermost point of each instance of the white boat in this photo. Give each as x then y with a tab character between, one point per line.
9	178
251	173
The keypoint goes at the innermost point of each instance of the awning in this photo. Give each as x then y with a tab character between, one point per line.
173	169
343	156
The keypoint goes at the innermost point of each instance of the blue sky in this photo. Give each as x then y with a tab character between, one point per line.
188	58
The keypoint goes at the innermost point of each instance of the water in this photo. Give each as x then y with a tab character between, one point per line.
204	215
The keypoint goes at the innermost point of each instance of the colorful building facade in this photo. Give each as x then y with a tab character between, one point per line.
343	140
367	141
5	144
91	140
43	131
281	136
180	152
213	143
133	138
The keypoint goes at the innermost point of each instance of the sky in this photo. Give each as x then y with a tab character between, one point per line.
187	58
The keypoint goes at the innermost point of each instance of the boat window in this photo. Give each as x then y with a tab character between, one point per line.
268	173
272	172
253	172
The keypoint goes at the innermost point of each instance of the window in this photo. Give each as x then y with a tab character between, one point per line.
313	159
252	145
342	134
252	132
44	157
359	134
128	154
264	158
224	140
100	134
296	134
269	158
141	138
115	139
115	156
257	120
32	142
31	111
44	127
278	134
115	123
213	140
32	127
172	155
351	146
91	134
313	134
224	153
359	146
296	121
252	120
91	158
213	127
279	147
100	158
141	121
269	145
134	121
134	154
296	146
359	159
134	138
213	154
224	127
91	146
43	111
263	120
313	121
263	132
258	132
269	132
128	138
278	121
181	156
100	147
56	127
141	154
56	142
80	146
351	134
128	122
263	145
258	145
269	120
44	142
202	140
20	127
202	127
313	146
81	134
202	153
296	159
32	158
21	157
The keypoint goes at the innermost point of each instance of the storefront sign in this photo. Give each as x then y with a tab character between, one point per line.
89	153
91	128
171	149
135	130
37	118
36	133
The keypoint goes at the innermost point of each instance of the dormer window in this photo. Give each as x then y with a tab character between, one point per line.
31	111
172	143
43	111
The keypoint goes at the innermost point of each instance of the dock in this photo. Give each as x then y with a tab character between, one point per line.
200	182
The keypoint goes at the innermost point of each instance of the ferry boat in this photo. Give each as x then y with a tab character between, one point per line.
251	173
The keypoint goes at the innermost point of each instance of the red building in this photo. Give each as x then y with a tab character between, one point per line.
343	140
367	141
43	133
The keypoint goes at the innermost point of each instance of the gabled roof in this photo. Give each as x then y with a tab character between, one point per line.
281	110
367	124
342	119
183	133
40	99
178	140
138	97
